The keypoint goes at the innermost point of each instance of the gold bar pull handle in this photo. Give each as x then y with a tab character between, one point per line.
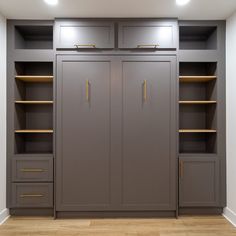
31	195
181	169
148	46
145	90
32	170
87	91
85	46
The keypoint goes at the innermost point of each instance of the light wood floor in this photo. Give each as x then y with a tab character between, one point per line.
185	226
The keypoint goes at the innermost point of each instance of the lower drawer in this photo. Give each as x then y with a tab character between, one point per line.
39	195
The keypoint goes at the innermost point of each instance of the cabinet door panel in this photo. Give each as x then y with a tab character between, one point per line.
147	161
84	34
147	34
199	182
83	151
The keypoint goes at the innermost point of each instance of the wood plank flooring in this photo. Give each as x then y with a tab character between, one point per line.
184	226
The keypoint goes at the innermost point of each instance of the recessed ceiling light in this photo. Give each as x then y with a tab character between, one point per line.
51	2
182	2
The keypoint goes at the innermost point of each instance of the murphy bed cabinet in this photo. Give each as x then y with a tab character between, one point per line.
116	117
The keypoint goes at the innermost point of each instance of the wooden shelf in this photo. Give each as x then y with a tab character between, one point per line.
34	102
196	79
35	78
31	131
197	131
197	102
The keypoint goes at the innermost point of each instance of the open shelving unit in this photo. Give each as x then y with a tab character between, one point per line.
33	107
198	104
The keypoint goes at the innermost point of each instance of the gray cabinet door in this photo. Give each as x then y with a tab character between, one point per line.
79	34
83	133
199	182
159	34
148	133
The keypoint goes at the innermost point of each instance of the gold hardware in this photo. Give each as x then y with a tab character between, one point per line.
30	195
85	45
148	45
87	90
181	169
145	90
32	170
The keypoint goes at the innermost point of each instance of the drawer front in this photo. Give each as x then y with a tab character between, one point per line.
32	195
32	169
148	35
84	34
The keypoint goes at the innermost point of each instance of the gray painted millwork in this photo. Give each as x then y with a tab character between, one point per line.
205	145
30	156
114	150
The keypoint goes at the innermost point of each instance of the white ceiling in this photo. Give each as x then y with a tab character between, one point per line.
196	9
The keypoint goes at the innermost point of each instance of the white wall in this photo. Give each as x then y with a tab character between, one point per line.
3	210
230	211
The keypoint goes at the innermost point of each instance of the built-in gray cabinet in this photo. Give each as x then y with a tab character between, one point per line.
199	182
80	34
97	106
156	34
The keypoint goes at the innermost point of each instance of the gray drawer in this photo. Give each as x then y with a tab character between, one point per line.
159	34
32	195
84	34
32	169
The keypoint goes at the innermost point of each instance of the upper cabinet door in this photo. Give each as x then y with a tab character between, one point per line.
148	35
79	34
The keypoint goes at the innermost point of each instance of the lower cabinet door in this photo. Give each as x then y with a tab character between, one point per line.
198	182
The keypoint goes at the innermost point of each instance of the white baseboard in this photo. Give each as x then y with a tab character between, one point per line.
4	215
230	216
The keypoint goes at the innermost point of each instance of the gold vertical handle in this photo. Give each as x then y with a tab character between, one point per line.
87	90
181	169
145	90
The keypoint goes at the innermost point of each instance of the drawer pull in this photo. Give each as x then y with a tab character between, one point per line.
32	170
147	45
30	195
85	45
